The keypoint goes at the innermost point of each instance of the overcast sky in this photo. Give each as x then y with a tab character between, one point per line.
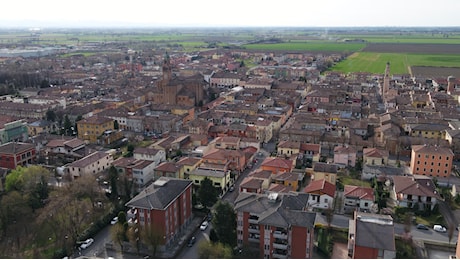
238	13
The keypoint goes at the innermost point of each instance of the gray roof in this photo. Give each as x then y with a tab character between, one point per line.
375	231
284	211
15	147
159	194
383	169
325	167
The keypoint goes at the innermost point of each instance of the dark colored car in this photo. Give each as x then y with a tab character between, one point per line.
191	241
421	226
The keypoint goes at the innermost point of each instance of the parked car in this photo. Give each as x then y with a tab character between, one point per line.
421	226
87	243
191	241
232	188
114	221
439	228
204	225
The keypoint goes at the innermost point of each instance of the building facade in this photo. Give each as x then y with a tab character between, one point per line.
165	206
275	225
13	154
433	161
92	128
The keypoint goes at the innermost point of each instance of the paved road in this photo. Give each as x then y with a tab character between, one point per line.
192	252
341	221
230	196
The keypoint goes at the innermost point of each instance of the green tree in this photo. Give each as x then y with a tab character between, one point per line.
67	126
113	177
116	126
151	236
213	236
208	250
224	223
32	182
207	193
118	234
50	116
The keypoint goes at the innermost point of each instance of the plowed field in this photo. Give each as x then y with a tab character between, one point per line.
419	48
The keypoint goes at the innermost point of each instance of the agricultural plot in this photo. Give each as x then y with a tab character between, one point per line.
314	46
435	72
420	48
374	62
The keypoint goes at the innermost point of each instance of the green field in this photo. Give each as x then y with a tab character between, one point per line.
375	62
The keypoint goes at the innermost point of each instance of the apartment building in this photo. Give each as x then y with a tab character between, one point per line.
91	164
431	160
276	225
371	236
13	154
165	206
92	128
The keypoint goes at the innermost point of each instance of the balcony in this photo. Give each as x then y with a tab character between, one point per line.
132	221
131	213
280	246
254	229
280	235
280	254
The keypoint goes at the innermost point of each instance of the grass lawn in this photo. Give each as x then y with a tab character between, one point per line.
347	180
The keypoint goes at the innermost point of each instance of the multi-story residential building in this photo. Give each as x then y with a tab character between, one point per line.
357	198
15	154
288	179
345	155
41	126
277	165
68	149
310	151
433	131
288	148
225	79
169	169
433	161
375	156
188	164
12	130
275	225
165	206
143	172
220	179
90	129
227	142
371	236
91	164
327	171
149	154
322	194
416	191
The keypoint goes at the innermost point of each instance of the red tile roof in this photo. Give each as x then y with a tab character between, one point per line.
320	186
358	192
277	163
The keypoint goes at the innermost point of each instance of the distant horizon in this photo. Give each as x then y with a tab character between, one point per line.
45	26
234	14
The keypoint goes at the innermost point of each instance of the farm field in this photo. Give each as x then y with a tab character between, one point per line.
427	38
315	46
374	62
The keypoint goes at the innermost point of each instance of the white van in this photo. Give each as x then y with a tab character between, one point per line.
439	228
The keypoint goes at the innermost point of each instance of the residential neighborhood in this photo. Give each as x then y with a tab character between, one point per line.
314	163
